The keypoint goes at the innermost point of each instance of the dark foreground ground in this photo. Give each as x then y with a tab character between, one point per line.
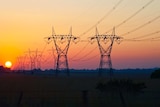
26	90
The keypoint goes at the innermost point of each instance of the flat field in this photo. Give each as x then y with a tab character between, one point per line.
21	90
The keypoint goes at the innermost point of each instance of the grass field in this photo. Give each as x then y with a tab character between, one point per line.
19	90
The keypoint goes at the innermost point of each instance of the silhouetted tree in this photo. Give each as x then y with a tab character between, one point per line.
156	74
120	87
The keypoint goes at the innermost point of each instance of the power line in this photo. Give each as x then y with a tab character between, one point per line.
133	15
47	57
143	40
99	21
45	46
85	54
141	26
150	34
90	58
80	51
151	39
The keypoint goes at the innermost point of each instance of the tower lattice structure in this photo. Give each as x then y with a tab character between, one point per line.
62	44
105	44
35	59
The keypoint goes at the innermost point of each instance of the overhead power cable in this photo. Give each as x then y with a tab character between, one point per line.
145	39
142	40
144	36
133	15
155	38
99	21
80	51
141	26
85	55
151	39
44	49
90	58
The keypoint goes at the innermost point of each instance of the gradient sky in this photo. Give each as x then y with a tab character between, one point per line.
25	23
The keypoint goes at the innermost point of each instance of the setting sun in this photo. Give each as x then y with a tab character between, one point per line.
8	64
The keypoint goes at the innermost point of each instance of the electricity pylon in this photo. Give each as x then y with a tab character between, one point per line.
33	58
21	63
105	44
62	44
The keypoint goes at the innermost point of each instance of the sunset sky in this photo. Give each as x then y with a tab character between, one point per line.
25	23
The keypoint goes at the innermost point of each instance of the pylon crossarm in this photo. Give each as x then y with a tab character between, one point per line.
62	61
75	39
119	40
61	37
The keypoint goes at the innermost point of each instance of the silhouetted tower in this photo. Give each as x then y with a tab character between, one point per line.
21	63
38	60
62	43
105	44
54	57
33	58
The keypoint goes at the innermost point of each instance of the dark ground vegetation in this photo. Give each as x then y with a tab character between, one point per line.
156	74
33	90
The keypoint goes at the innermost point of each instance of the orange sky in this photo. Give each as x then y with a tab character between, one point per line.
25	23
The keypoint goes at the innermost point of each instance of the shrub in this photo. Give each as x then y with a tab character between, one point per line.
155	74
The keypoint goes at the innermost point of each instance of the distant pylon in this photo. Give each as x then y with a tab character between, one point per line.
62	43
33	59
21	63
105	44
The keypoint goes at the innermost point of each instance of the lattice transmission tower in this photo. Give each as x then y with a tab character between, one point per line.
105	44
35	59
62	44
21	62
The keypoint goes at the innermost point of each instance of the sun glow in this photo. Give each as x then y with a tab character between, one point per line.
8	64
